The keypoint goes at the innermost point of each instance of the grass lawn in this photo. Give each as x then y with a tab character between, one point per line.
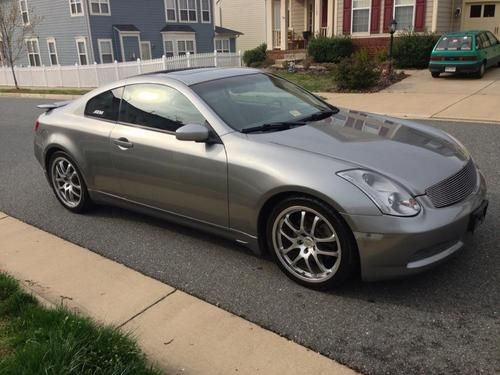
37	340
44	91
311	82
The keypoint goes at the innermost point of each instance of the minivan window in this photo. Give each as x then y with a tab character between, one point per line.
105	106
158	107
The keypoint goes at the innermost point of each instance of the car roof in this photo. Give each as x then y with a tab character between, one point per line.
198	75
461	33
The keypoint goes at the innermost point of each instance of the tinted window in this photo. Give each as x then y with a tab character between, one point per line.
489	10
105	106
475	11
159	107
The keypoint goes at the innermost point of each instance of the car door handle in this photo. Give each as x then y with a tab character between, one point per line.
123	143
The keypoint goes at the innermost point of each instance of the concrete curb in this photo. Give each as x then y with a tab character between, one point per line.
178	332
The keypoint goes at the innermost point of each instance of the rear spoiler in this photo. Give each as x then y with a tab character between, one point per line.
50	107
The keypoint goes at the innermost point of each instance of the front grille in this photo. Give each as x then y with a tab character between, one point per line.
455	188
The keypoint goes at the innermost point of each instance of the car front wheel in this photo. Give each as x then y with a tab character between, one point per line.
480	72
311	243
67	183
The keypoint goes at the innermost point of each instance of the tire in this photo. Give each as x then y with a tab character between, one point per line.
67	183
435	74
480	72
306	245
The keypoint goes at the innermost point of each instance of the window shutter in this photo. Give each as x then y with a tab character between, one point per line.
419	15
346	26
375	17
388	6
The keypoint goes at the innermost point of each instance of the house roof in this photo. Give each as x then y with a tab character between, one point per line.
223	30
129	27
178	28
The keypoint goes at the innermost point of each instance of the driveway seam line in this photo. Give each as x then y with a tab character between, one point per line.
458	101
147	308
4	217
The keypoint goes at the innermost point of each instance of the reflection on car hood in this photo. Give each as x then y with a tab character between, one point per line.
415	155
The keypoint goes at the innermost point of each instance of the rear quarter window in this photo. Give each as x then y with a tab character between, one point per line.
105	106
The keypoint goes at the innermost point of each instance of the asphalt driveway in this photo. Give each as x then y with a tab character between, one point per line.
444	321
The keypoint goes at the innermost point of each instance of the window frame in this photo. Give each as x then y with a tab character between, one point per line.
52	40
148	42
209	10
175	38
78	54
100	13
480	10
484	10
76	2
414	5
145	127
28	53
369	19
27	11
188	10
174	9
99	41
222	40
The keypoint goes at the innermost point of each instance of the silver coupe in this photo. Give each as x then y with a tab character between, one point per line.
250	156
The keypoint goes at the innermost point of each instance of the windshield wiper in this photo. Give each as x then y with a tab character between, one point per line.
321	115
283	125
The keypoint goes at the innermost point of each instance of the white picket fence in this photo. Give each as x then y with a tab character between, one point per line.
96	75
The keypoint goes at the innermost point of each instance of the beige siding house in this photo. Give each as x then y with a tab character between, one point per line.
287	24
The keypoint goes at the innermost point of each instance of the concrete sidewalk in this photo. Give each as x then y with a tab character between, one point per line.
421	96
178	332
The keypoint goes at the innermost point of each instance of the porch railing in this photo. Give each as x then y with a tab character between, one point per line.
276	38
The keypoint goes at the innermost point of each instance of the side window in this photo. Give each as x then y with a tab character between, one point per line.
479	43
158	107
105	106
493	39
485	40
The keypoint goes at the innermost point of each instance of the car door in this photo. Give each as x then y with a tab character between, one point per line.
155	169
495	46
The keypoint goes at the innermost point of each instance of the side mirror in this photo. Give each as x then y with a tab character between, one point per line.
193	133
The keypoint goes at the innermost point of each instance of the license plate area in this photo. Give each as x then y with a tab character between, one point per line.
450	69
478	216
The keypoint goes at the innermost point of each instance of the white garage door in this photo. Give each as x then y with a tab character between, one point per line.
482	16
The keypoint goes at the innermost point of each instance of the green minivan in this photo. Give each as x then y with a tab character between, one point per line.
465	52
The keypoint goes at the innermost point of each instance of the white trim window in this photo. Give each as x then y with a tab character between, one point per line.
188	11
404	14
206	14
23	7
178	44
100	8
106	50
145	50
76	8
185	46
171	10
52	48
360	16
168	48
222	45
33	52
81	49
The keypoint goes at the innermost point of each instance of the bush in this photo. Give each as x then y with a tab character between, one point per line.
412	50
325	49
254	57
381	56
356	72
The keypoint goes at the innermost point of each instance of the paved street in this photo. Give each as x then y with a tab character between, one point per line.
444	321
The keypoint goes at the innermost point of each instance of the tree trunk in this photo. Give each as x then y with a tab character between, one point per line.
14	75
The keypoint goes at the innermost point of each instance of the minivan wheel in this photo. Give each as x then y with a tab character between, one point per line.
67	183
311	243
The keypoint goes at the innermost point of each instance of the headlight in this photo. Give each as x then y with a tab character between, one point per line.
390	197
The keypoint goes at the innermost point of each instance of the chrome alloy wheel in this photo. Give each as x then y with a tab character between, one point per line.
66	182
306	244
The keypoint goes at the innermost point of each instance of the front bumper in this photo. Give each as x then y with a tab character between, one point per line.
461	67
391	247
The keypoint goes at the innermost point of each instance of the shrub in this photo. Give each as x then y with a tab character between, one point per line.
381	56
325	49
356	72
412	50
254	57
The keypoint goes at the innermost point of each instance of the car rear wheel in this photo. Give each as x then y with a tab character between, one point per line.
435	74
68	184
311	243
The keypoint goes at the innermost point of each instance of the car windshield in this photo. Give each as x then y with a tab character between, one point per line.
455	43
254	100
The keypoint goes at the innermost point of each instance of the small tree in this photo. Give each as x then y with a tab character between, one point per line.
14	29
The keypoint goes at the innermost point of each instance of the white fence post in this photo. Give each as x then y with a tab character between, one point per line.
139	66
96	72
164	62
215	58
45	81
239	58
31	76
78	75
188	55
117	73
59	71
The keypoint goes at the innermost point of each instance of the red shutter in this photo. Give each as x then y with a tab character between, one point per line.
388	5
346	22
375	17
419	15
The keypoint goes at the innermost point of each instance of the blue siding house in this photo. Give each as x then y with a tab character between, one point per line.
82	32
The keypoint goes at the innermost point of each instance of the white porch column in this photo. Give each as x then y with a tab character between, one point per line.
269	24
317	16
330	27
283	24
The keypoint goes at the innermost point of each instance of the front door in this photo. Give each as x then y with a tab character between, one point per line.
153	168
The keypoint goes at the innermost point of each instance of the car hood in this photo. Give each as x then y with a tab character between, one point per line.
412	154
